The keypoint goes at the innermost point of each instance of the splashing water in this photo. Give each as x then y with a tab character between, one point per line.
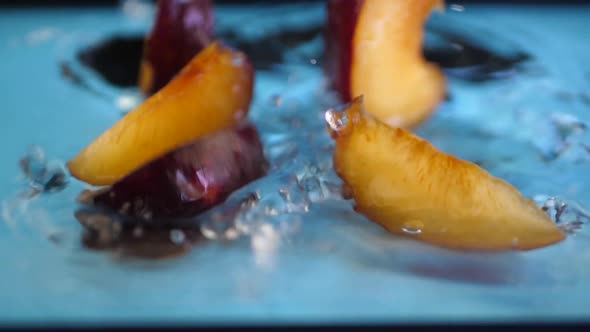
337	121
43	176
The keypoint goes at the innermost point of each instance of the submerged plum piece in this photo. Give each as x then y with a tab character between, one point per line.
374	49
182	29
190	179
211	93
405	184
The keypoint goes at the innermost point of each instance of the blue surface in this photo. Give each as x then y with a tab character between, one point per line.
335	265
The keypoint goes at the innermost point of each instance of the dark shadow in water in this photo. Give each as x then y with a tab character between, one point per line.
438	263
269	50
470	61
369	246
158	238
115	59
135	238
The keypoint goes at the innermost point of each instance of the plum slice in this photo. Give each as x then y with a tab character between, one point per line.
182	29
190	179
374	49
212	92
405	184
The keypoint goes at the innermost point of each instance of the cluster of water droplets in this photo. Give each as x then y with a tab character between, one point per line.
41	174
301	175
30	209
568	215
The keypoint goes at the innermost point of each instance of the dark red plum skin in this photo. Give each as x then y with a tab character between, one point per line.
182	29
339	33
190	179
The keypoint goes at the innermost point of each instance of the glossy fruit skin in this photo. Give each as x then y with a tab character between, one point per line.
341	23
212	92
182	29
190	179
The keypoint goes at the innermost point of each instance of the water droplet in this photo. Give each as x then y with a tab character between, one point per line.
457	46
271	210
457	8
313	61
515	242
413	227
43	176
567	125
138	231
271	204
395	121
177	236
248	221
313	188
295	199
332	190
238	61
127	103
208	231
137	9
34	161
265	243
277	101
231	234
336	120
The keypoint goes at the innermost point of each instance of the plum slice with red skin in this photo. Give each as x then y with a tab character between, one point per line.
190	179
181	30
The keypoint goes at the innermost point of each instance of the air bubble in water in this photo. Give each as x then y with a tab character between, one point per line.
208	231
295	199
313	188
177	236
247	221
231	234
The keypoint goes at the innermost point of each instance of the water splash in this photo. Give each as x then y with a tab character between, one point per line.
43	175
337	121
568	215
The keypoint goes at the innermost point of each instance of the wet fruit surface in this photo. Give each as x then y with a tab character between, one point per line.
190	179
409	187
374	49
211	93
335	264
181	30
